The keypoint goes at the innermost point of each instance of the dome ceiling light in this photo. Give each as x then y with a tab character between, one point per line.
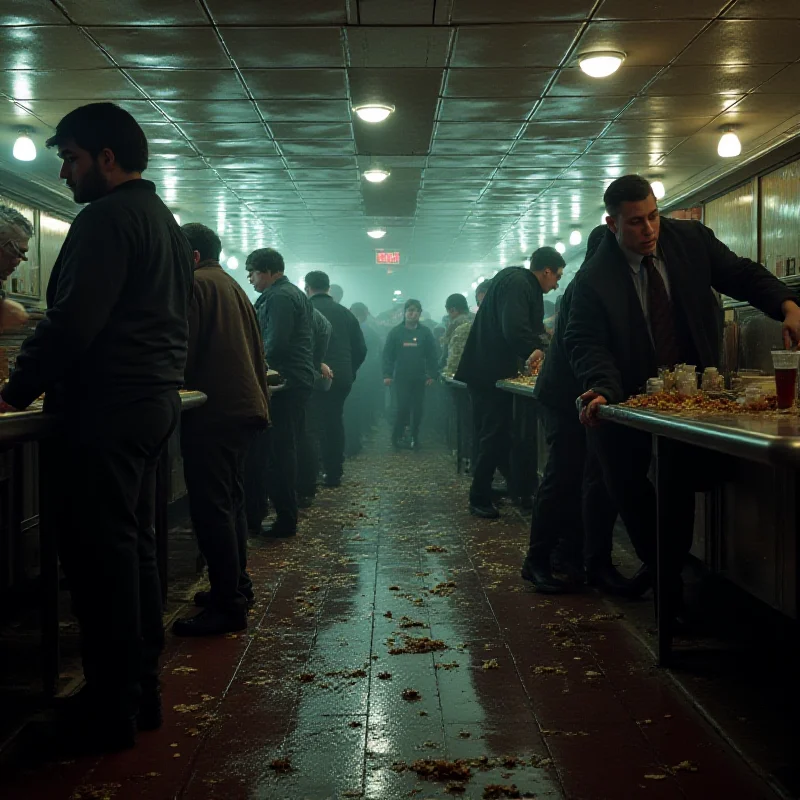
575	238
376	175
601	63
658	189
24	148
377	233
561	248
729	145
373	112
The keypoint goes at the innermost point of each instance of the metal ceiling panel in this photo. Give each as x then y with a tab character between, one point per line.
67	84
238	147
398	47
390	12
478	11
692	105
721	79
573	81
223	111
535	45
602	107
764	9
485	110
550	146
48	47
31	12
657	128
265	48
312	147
304	84
784	82
746	42
278	12
312	130
189	84
497	82
661	9
305	110
135	12
456	147
564	130
477	130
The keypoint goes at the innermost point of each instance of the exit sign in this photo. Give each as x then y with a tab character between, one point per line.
386	257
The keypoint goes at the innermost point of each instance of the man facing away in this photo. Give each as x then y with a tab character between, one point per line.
508	331
285	318
457	315
644	300
110	354
226	363
345	354
15	234
409	362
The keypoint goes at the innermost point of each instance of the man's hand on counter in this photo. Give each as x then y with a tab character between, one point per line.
791	324
590	403
12	315
535	357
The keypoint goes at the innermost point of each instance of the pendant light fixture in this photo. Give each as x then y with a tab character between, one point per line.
24	148
373	112
729	145
601	63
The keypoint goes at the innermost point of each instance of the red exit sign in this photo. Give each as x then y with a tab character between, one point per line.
386	257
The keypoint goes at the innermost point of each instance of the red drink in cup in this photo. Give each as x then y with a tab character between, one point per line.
786	363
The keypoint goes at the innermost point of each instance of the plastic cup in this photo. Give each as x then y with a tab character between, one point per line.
786	363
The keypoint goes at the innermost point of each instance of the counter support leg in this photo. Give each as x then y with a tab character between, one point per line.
664	580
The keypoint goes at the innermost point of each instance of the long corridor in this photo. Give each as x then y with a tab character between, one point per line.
394	652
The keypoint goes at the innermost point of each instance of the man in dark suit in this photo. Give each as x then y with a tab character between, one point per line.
346	353
507	332
644	300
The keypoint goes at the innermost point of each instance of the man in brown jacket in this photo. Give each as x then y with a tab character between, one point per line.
226	362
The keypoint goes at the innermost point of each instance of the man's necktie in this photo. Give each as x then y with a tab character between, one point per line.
662	316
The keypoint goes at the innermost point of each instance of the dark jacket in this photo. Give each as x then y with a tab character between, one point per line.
346	349
606	337
321	332
285	318
410	354
508	327
116	327
226	354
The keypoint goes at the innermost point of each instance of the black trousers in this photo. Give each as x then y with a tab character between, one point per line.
288	425
102	489
213	465
624	456
325	436
572	505
410	394
255	480
492	411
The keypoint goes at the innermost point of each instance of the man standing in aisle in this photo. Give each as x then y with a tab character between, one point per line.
15	233
110	354
409	362
285	318
226	363
644	300
346	353
507	332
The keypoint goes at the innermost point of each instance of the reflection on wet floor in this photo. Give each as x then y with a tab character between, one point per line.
394	652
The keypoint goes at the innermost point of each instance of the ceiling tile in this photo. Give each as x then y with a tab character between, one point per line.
189	84
691	105
214	131
527	46
48	47
109	83
135	12
312	147
661	9
477	11
764	9
174	48
573	81
684	126
564	130
485	110
305	110
263	48
497	82
602	107
250	163
645	144
546	161
31	12
321	162
306	84
278	12
477	130
550	145
745	42
51	111
312	130
721	79
398	47
637	40
443	147
463	162
785	82
219	111
390	12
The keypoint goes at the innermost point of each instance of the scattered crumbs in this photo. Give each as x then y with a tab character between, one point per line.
431	745
206	697
455	788
411	695
655	777
281	765
95	791
407	622
418	644
183	670
174	744
447	665
423	713
435	548
444	589
384	676
590	673
355	724
685	766
464	734
509	762
306	677
496	790
557	670
438	769
644	722
183	708
388	615
394	588
492	663
667	716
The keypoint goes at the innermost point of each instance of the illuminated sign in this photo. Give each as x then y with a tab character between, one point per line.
386	257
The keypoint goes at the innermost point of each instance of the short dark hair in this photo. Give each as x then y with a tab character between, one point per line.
318	281
337	293
457	302
360	311
204	240
483	288
97	126
265	259
547	258
415	303
627	189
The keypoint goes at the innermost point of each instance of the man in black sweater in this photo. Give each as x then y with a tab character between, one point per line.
507	332
110	354
345	354
644	300
409	362
285	318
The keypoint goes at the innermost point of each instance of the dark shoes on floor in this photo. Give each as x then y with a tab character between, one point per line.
542	578
279	530
608	579
332	481
203	599
83	726
305	501
484	511
210	622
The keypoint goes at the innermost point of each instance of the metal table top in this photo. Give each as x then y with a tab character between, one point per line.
450	381
524	389
772	439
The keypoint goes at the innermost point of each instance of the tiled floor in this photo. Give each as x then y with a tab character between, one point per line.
548	698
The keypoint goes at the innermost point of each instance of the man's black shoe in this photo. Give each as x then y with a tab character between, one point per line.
608	579
485	512
278	530
203	599
575	574
542	579
332	482
305	501
210	622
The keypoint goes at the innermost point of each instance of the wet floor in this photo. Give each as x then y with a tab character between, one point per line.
394	652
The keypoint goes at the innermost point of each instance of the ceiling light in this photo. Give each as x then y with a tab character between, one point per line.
575	238
221	256
24	148
603	219
376	175
561	247
474	284
233	263
658	189
373	112
177	218
397	292
602	63
729	145
526	263
378	233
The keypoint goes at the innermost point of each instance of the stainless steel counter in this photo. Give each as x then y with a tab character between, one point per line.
524	389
